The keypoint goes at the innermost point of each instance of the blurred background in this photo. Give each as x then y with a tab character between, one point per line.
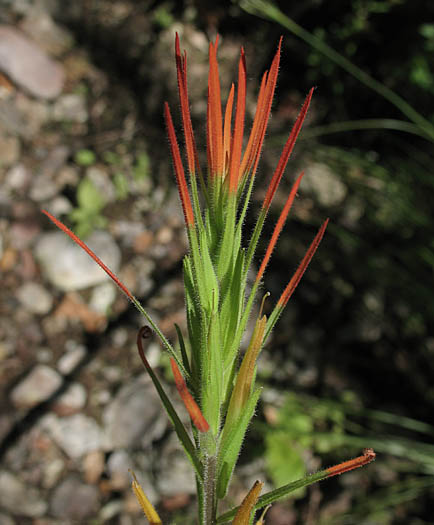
350	364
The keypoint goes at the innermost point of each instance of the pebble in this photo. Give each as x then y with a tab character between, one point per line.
76	435
59	205
71	359
118	465
6	520
70	107
52	38
68	267
74	500
103	296
36	387
9	146
93	466
52	472
175	473
324	184
17	178
17	497
134	417
27	65
35	298
71	401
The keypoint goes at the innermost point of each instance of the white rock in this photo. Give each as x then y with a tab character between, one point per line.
70	359
103	297
27	65
76	435
134	416
36	387
68	267
17	497
326	186
72	400
35	298
70	107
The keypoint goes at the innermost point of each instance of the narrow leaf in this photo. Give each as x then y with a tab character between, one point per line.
171	412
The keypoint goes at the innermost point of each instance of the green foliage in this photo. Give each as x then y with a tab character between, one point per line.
85	157
90	203
142	168
326	427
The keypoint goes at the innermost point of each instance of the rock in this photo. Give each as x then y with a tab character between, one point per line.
324	184
36	387
76	435
34	298
71	359
70	107
175	474
134	416
71	401
52	38
9	146
18	498
68	267
103	296
60	205
6	520
17	178
74	500
27	65
118	465
52	472
93	466
30	115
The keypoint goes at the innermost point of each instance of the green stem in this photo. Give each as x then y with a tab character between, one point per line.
209	490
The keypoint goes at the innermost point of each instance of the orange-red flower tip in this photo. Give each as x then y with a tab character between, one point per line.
279	226
286	152
190	404
179	170
86	248
367	456
215	131
237	142
292	285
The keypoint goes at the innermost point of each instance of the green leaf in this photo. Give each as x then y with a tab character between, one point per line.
85	157
232	439
284	462
89	197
